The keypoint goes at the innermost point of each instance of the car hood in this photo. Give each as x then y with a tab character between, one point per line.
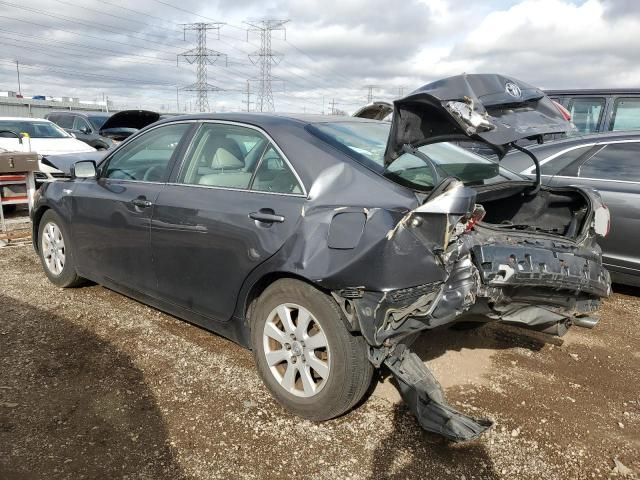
130	119
491	108
46	146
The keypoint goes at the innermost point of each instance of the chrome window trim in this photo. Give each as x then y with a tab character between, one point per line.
594	179
604	143
107	159
271	141
246	190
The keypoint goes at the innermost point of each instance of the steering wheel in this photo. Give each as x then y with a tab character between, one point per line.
157	170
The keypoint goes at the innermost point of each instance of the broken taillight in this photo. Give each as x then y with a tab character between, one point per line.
602	221
477	216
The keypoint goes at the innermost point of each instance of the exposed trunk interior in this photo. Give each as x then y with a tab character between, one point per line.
553	211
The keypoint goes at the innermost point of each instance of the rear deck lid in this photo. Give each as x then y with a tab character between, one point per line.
492	108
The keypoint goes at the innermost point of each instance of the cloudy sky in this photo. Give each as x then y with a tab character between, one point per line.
333	48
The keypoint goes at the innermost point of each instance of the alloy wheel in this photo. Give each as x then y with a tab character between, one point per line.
296	350
53	248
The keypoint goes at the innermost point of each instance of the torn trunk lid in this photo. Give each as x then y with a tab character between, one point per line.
491	108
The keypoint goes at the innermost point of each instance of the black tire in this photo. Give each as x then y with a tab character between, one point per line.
350	371
67	277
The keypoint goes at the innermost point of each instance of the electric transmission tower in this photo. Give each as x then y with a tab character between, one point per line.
370	89
265	58
202	56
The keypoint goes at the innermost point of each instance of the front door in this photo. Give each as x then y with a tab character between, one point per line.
112	214
232	204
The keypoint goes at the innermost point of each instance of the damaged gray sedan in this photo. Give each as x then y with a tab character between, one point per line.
327	244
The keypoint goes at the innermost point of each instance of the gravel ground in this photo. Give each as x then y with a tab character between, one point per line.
95	385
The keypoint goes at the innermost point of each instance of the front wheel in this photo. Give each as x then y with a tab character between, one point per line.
305	355
55	251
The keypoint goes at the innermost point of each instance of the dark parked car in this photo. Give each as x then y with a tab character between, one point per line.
103	130
327	244
601	110
609	163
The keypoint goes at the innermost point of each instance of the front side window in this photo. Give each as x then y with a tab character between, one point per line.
231	156
147	157
80	124
586	113
618	161
626	114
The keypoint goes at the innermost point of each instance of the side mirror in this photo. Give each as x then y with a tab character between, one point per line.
85	130
84	169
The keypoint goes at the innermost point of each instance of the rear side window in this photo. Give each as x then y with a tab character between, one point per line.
586	113
626	114
232	156
618	161
65	121
562	161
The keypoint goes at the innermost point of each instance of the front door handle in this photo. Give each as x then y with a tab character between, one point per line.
266	215
141	202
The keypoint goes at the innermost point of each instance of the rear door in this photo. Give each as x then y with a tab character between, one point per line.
112	214
614	170
231	205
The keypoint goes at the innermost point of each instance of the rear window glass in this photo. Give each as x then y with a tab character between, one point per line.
586	113
626	114
366	142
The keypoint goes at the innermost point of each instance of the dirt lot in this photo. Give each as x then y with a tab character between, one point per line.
94	385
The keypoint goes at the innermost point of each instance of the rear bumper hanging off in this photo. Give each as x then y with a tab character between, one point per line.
425	398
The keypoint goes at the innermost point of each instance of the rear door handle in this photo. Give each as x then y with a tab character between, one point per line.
141	202
267	216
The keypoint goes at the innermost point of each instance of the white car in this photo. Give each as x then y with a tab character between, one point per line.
43	137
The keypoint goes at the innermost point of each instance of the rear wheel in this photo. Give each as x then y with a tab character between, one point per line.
55	250
305	355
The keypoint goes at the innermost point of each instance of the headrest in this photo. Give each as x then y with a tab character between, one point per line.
223	158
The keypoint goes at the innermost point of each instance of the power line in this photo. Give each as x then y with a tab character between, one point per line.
202	56
265	58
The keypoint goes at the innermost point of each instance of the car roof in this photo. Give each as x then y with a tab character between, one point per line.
75	112
269	119
519	161
594	91
589	138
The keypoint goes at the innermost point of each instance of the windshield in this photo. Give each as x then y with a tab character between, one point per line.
98	120
366	143
33	128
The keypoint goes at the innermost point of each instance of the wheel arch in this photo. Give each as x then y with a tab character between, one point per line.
35	224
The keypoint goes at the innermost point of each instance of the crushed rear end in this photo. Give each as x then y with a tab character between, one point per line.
512	251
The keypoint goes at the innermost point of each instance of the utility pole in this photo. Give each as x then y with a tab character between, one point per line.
370	92
248	100
202	56
333	106
18	70
177	100
265	58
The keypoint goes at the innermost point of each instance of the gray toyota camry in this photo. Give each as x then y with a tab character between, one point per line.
327	244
